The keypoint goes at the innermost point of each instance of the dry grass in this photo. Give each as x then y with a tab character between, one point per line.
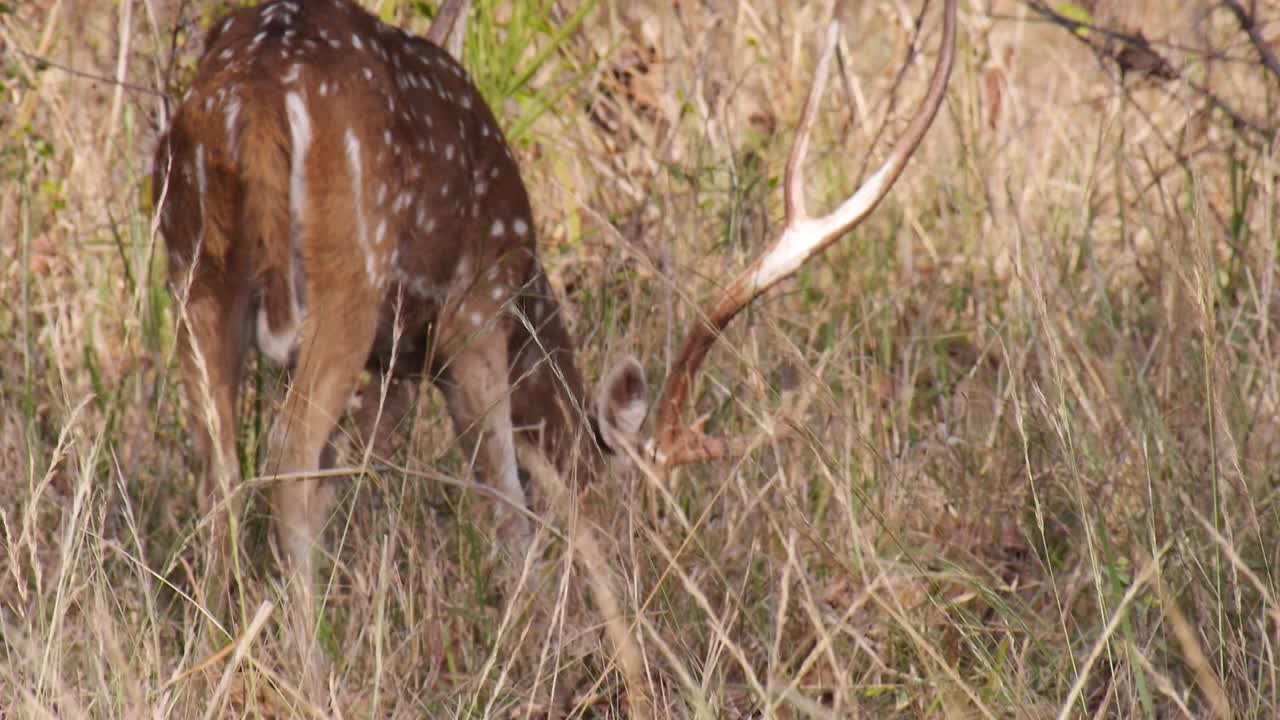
1036	396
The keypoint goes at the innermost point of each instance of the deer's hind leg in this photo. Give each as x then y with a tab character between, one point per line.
212	339
335	337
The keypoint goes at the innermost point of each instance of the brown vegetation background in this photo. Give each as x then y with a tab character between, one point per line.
1035	398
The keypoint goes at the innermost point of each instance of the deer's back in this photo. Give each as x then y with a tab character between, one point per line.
375	143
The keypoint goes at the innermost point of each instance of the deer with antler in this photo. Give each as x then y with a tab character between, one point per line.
335	192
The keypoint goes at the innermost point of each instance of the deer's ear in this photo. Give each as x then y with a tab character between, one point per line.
622	401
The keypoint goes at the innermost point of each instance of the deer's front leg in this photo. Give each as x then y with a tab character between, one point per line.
478	393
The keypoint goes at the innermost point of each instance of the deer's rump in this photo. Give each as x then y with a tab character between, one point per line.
311	157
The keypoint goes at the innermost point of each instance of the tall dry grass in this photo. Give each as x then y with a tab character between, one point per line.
1034	398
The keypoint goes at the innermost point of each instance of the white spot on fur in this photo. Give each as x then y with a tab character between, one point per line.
352	144
202	179
300	135
520	226
498	229
232	112
202	183
463	272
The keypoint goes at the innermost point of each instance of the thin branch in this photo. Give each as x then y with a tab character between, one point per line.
1131	52
1249	24
45	62
1135	53
449	28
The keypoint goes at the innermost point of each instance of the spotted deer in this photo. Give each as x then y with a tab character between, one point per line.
335	192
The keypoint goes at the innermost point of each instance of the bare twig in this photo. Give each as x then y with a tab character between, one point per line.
1134	53
1131	52
1249	24
45	62
449	28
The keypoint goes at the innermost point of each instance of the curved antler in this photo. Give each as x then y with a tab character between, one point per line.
802	238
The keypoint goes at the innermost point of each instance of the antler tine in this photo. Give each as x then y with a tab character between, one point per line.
794	178
449	27
801	238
